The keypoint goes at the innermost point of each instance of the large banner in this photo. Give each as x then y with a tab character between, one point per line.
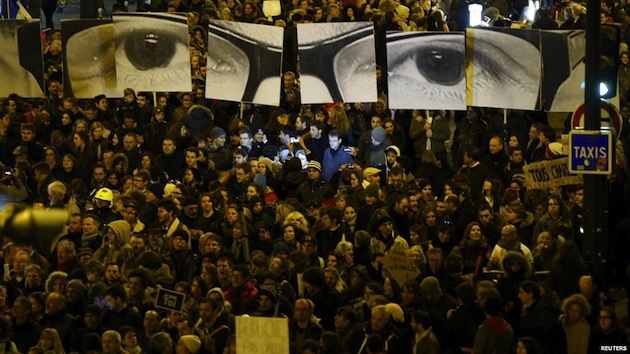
426	70
550	173
563	69
89	60
337	62
262	335
21	60
152	52
244	62
503	68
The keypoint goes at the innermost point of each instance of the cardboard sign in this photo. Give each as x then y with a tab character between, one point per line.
550	173
399	265
262	335
169	300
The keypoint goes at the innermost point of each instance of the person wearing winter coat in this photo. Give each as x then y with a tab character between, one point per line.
495	335
539	318
115	247
576	329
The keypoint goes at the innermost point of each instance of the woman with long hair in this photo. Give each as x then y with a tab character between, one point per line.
49	340
68	170
148	162
395	133
491	193
51	157
567	267
339	120
84	155
352	181
474	250
607	332
334	281
429	222
556	219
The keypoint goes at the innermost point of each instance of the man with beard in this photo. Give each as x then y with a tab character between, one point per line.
138	244
181	259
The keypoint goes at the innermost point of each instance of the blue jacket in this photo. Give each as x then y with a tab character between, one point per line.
332	163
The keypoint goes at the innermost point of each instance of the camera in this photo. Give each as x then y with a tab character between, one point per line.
350	166
295	140
8	172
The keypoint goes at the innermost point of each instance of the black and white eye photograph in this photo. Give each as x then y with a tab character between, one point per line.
244	62
90	61
503	68
152	51
426	70
21	60
563	69
337	62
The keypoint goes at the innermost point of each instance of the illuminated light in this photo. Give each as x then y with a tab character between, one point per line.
475	13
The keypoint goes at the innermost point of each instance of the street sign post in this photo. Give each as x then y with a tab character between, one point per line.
591	152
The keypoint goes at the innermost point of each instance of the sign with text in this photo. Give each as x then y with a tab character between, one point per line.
169	300
262	335
550	173
399	265
591	152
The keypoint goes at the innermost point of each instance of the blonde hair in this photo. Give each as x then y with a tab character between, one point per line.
303	223
339	120
57	346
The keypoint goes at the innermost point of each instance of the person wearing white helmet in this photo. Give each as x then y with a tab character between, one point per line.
103	200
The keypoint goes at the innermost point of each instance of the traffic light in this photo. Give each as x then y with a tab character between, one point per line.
609	60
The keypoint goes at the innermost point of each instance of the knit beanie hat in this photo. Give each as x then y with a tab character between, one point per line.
379	134
217	132
261	180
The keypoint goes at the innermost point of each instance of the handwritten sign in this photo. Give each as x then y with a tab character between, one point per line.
550	173
169	300
399	265
262	335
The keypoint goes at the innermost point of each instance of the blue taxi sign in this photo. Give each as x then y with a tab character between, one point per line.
591	152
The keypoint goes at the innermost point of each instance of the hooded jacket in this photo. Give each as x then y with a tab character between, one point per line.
198	119
120	249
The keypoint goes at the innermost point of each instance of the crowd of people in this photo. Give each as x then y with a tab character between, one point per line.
290	211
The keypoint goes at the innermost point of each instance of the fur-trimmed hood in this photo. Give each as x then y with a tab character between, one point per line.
516	257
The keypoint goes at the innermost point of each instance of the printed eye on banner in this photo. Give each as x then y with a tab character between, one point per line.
426	70
244	62
337	62
152	52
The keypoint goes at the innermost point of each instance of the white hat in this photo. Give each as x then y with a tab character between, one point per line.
192	342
